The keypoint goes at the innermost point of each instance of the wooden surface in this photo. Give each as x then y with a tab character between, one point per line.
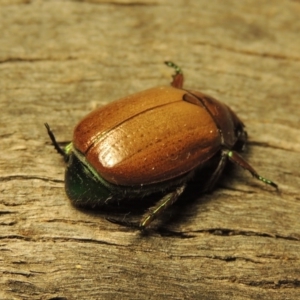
60	59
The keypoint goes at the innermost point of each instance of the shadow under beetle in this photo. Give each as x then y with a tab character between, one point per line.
152	141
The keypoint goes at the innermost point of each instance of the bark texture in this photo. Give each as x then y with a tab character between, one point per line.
61	59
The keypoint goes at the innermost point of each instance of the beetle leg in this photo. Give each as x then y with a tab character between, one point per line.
218	171
161	206
177	77
55	144
240	161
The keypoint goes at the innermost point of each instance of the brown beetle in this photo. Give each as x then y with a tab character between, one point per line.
155	140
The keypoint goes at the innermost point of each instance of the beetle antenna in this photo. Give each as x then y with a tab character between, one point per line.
54	142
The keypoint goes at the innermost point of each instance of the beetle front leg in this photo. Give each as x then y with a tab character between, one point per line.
161	206
55	143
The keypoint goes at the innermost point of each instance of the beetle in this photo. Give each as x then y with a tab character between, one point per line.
153	141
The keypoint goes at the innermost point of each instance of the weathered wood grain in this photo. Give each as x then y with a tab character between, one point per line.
60	59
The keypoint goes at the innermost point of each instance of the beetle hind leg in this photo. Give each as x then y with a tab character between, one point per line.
209	185
161	206
239	160
154	212
177	77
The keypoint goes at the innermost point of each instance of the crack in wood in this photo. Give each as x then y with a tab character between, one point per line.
24	177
